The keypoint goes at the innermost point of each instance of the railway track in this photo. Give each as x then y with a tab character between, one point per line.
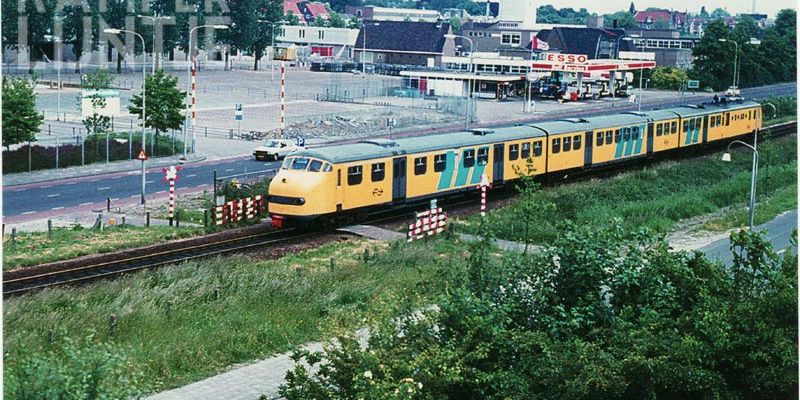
96	270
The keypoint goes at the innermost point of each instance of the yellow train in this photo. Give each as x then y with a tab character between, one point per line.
338	181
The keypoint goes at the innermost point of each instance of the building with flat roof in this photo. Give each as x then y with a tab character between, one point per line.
373	13
324	42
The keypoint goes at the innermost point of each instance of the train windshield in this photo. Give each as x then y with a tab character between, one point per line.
299	163
287	162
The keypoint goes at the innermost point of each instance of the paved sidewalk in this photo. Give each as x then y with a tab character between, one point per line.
87	220
21	178
246	383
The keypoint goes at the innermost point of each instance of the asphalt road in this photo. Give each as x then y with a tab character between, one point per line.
779	233
30	200
45	199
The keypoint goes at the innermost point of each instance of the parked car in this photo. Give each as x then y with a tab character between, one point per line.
276	149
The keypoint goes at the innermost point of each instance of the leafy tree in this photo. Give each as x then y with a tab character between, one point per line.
21	122
321	22
98	80
455	23
623	20
336	20
249	31
703	12
720	13
354	23
662	24
713	64
549	15
291	19
164	103
668	78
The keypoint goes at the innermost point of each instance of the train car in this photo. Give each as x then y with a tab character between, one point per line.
342	180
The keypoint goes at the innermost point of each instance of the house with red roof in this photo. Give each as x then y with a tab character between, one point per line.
648	19
307	11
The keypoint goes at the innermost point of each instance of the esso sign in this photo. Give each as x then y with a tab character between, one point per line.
566	58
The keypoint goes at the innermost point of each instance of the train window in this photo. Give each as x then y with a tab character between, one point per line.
420	165
658	129
537	148
576	142
617	136
685	126
609	137
635	135
713	122
599	138
483	156
469	158
698	123
727	119
327	168
338	177
526	150
378	171
300	163
626	134
513	152
567	144
287	162
439	162
556	145
354	175
674	126
315	166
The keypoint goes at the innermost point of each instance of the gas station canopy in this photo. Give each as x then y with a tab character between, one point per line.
580	63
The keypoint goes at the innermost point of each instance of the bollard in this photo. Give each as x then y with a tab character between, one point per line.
123	220
112	324
49	228
177	219
108	204
147	219
205	218
13	236
170	221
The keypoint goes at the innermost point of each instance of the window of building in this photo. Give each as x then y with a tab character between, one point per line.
483	156
556	145
567	143
302	33
378	171
354	175
537	148
526	150
469	158
576	142
420	165
439	162
513	152
511	38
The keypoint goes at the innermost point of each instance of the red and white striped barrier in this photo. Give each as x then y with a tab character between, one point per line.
171	175
428	223
283	97
194	88
483	186
238	210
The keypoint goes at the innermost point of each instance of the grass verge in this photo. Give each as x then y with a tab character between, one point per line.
33	248
660	195
183	323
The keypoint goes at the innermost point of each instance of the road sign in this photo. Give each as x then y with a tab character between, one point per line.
693	84
142	155
238	111
300	141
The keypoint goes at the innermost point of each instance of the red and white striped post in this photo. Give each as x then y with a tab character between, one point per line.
171	175
483	186
283	97
194	98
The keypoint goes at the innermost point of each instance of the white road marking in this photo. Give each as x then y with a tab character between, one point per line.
104	188
71	183
202	184
29	212
114	198
20	190
149	181
93	180
191	175
45	187
54	195
229	170
162	191
57	208
136	195
86	204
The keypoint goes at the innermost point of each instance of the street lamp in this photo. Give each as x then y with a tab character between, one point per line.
189	87
469	81
727	158
155	20
144	99
57	39
272	64
641	61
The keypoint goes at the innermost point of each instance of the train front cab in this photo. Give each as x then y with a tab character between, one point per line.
303	189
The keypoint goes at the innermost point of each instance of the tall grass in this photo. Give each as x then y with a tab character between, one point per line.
182	323
655	197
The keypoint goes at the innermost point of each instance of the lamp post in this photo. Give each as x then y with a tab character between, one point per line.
641	62
735	58
272	64
155	20
144	99
189	87
469	81
57	39
727	158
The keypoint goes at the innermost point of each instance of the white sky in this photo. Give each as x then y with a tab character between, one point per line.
770	7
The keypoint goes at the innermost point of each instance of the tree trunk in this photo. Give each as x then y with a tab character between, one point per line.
257	55
227	60
119	63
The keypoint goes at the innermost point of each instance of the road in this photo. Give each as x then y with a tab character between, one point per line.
779	233
45	199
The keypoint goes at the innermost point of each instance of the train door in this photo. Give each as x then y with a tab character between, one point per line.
339	190
650	138
398	179
587	156
498	162
705	129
